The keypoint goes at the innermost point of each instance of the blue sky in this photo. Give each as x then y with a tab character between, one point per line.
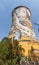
6	7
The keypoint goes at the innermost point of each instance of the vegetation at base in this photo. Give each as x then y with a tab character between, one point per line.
10	52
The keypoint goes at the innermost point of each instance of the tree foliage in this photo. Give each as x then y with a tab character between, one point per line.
10	52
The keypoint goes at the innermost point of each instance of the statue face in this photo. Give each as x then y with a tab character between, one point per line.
21	14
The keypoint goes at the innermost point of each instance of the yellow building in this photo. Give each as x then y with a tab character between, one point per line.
21	30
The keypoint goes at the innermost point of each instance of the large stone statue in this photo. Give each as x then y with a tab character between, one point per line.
21	29
21	23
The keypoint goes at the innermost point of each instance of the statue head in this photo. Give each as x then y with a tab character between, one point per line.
22	13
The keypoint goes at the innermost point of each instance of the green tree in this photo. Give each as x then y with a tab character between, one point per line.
10	52
4	49
17	51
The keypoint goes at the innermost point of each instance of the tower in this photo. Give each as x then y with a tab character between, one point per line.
21	28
